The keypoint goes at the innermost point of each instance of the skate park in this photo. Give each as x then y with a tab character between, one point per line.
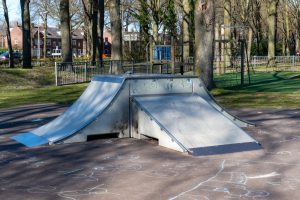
118	168
145	165
184	100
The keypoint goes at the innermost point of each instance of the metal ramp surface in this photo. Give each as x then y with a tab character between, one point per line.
178	110
188	122
95	99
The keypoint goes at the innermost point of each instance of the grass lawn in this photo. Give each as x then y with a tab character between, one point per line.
267	90
30	86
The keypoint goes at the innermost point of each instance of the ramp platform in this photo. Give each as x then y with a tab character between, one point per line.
191	123
177	110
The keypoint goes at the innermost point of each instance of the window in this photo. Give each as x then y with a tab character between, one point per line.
54	43
16	42
74	42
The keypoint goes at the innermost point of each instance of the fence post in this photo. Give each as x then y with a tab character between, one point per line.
110	67
132	66
56	77
293	61
85	71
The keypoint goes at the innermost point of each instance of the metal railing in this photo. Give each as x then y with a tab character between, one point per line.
80	72
75	72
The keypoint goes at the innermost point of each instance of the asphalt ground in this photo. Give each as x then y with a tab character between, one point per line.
133	169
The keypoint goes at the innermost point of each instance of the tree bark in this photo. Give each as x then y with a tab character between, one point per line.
287	27
227	36
249	43
185	29
66	37
94	30
116	36
91	16
45	36
26	34
204	40
272	21
10	50
100	28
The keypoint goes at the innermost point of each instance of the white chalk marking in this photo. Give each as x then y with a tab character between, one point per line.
264	175
201	183
72	171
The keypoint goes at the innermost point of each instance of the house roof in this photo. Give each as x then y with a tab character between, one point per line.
53	32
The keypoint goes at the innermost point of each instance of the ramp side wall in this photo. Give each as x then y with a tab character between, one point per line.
143	125
114	119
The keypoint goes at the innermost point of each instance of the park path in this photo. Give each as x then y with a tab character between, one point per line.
138	169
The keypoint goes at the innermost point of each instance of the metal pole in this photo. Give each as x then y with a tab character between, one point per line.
56	77
132	67
85	69
172	55
242	62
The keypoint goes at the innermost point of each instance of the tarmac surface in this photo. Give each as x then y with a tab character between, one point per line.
133	169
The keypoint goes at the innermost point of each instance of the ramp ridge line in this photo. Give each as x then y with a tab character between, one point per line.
222	109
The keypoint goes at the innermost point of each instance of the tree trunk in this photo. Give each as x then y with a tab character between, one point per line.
116	36
26	36
10	50
66	37
297	42
249	43
287	27
272	21
45	36
185	29
227	36
91	16
94	30
204	40
100	28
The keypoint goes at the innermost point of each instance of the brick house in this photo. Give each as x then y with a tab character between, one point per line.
53	41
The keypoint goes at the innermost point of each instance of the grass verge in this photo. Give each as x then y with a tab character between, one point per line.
267	90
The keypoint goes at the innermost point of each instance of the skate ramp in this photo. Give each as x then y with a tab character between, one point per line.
178	110
95	99
191	124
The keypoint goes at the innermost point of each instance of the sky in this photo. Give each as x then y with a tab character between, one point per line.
14	10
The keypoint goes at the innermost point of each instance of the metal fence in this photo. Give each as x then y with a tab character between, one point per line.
283	63
83	71
80	72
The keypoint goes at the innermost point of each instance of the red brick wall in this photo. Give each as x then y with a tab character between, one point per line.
16	38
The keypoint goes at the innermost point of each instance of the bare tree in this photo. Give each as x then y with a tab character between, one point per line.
204	40
65	31
10	50
91	15
25	14
295	13
272	25
100	28
116	35
42	9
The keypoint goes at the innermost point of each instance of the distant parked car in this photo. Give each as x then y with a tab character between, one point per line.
297	53
4	57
